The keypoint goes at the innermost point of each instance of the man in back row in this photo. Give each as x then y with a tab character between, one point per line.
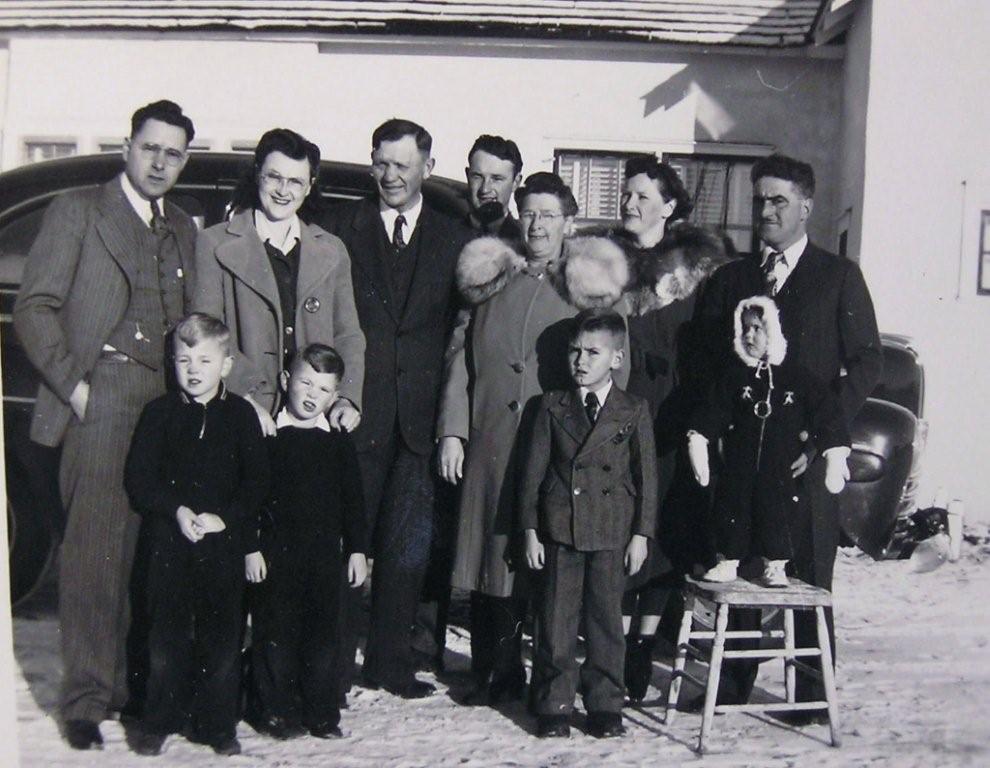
831	330
104	283
403	255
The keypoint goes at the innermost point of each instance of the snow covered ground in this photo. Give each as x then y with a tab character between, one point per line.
913	675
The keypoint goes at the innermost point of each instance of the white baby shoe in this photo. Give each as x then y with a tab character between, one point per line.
724	571
774	574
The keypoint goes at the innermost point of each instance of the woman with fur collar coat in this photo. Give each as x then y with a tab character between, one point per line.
669	260
510	347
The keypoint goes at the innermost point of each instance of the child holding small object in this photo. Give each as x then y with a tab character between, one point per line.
197	471
767	411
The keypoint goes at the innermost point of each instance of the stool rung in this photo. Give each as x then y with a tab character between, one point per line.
774	707
772	653
688	676
808	670
696	653
740	634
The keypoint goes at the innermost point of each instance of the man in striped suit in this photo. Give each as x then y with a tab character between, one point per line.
103	285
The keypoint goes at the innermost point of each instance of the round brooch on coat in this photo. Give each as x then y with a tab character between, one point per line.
312	304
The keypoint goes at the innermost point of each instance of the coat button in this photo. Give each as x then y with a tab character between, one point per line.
606	491
518	367
606	468
288	330
514	406
577	491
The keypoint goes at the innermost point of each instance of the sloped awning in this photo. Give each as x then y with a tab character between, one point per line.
760	23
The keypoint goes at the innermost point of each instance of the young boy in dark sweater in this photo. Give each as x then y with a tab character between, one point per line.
587	504
198	471
312	525
768	411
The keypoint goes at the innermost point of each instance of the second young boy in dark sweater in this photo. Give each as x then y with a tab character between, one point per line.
312	524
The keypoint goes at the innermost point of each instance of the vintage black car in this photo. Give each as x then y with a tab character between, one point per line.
887	436
34	513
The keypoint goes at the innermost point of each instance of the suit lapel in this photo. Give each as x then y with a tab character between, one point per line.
366	255
114	231
613	417
425	262
246	258
804	277
568	411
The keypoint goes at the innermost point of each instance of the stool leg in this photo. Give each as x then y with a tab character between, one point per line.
789	671
714	674
828	677
680	657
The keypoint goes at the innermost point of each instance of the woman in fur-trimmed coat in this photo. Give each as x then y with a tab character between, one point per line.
510	347
669	260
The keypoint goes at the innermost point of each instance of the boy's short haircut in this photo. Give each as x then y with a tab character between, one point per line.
598	319
321	358
199	326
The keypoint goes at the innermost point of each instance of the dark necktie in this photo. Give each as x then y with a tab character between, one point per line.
591	406
769	274
397	239
159	223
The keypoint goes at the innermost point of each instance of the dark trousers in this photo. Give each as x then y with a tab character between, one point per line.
196	608
295	619
100	540
578	585
399	488
814	531
496	637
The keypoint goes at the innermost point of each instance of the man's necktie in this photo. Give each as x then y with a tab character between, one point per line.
397	239
770	271
159	223
591	406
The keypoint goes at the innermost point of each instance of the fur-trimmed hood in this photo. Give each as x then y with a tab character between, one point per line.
776	343
593	271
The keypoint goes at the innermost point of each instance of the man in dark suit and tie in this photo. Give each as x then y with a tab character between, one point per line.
827	317
403	255
104	282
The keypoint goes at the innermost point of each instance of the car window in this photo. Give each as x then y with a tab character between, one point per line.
16	238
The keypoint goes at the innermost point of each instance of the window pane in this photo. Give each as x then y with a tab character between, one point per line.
36	151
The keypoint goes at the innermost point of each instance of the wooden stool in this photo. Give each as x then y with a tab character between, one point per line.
745	594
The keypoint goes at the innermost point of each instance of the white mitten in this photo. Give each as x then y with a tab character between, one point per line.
698	453
836	468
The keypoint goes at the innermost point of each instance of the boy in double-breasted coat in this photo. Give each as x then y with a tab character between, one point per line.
587	504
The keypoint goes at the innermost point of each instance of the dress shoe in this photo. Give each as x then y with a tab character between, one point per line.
774	575
723	572
605	725
802	717
411	689
508	686
638	667
553	726
226	746
280	728
83	734
326	731
147	743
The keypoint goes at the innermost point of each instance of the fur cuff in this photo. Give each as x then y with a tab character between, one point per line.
484	267
776	343
595	272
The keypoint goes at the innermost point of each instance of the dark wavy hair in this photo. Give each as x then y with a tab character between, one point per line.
798	172
503	149
290	144
668	182
165	111
545	183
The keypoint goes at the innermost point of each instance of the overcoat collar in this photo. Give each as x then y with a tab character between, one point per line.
615	415
246	258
